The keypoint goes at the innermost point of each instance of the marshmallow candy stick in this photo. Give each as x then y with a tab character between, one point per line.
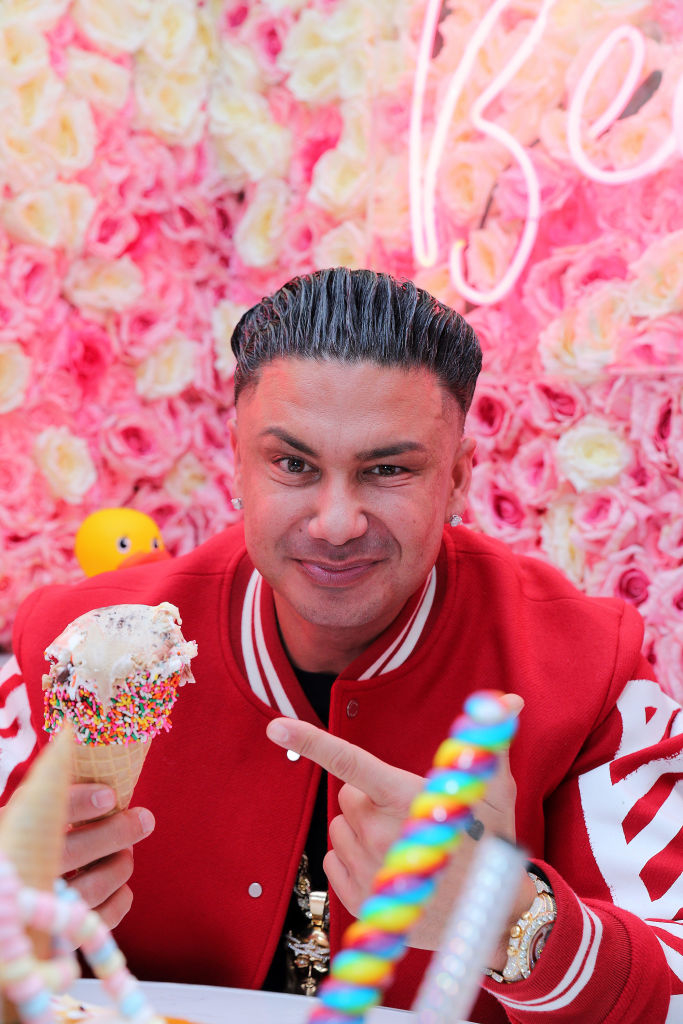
463	765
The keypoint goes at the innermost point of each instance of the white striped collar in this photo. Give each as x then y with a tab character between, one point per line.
259	663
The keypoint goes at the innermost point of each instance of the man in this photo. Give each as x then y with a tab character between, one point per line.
353	599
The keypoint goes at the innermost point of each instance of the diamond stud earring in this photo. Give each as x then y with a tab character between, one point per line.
237	504
455	520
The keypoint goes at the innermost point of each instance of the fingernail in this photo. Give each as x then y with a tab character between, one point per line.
146	819
103	799
278	732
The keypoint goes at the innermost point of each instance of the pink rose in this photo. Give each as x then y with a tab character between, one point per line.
533	472
668	651
652	344
110	232
84	349
657	423
628	575
140	441
492	418
32	274
554	405
496	508
607	519
574	222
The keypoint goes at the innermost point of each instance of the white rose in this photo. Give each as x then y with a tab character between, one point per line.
599	320
591	454
23	53
70	135
312	59
557	539
259	233
41	14
224	318
172	29
65	462
240	68
168	370
34	217
343	246
103	82
24	164
114	24
104	284
658	285
340	181
77	206
170	103
187	476
261	151
15	370
36	100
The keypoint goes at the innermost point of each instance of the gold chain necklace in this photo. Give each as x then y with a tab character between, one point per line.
308	955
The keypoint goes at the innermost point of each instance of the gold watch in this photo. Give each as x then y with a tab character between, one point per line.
528	935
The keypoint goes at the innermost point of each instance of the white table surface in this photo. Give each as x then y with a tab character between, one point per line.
206	1004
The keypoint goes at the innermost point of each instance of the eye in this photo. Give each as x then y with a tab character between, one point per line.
293	464
155	543
123	543
386	469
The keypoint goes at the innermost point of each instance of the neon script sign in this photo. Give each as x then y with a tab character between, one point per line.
423	173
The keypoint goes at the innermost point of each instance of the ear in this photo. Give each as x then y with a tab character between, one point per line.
461	476
237	456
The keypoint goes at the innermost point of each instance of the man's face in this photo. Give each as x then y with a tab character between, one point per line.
348	472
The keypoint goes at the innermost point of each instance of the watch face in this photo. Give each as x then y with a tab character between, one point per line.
539	941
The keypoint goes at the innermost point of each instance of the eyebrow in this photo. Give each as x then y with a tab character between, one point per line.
367	455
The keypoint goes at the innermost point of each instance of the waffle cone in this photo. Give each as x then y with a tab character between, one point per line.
113	764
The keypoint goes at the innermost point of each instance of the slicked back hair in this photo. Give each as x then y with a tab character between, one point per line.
355	316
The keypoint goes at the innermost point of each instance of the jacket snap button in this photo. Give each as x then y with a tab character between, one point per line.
255	889
352	708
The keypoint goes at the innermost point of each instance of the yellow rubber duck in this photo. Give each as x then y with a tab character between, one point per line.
114	538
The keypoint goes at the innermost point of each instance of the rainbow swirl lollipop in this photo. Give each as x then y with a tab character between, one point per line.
463	765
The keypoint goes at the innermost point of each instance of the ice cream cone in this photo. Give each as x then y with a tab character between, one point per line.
115	764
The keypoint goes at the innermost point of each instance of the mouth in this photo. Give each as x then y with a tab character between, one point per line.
339	574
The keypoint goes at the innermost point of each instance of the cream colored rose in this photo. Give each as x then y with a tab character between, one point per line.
590	454
259	233
168	370
488	255
658	285
104	284
77	205
103	82
340	182
557	344
15	370
41	14
23	53
224	319
186	478
36	100
599	320
34	217
65	462
70	135
24	164
170	102
390	200
114	24
246	136
558	535
343	246
313	55
467	176
172	29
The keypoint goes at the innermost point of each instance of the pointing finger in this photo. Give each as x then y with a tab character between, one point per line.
386	786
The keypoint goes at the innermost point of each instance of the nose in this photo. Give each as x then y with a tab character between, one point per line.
338	516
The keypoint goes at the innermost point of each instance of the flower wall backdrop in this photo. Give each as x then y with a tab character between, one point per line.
165	163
